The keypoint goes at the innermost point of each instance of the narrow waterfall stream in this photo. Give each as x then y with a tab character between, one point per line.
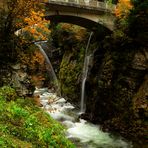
84	75
49	67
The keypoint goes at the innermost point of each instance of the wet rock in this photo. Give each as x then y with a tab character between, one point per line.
21	81
17	77
61	100
116	91
140	100
16	67
140	61
37	100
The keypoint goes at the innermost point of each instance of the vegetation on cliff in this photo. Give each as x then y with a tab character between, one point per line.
21	24
70	39
22	123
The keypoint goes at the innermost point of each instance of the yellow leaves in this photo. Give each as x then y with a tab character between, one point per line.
37	32
37	25
123	8
33	61
33	18
81	34
37	58
29	16
32	30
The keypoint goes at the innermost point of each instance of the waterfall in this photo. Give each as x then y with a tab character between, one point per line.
49	67
84	75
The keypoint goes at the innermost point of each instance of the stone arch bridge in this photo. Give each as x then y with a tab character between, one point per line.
90	14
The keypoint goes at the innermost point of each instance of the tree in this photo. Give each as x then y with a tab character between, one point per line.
122	11
16	14
123	8
37	26
13	12
138	22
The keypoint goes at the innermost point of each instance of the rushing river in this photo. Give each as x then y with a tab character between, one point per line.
81	132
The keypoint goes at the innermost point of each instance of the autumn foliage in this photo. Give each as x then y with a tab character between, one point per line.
79	32
33	60
27	16
37	26
35	63
123	8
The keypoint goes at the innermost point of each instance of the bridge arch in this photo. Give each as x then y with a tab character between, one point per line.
92	16
80	21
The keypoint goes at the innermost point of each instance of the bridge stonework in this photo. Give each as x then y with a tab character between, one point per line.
89	14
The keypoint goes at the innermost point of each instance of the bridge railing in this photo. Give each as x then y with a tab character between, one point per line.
91	3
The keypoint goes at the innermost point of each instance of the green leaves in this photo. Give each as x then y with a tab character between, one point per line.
31	122
16	111
22	124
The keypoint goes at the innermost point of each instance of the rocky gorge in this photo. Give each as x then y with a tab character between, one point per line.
115	85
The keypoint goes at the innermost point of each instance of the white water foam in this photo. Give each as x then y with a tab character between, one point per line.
88	135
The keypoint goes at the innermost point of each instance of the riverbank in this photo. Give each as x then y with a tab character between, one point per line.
83	133
23	124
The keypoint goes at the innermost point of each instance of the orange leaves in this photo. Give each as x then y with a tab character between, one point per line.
32	30
38	58
21	8
33	60
34	17
37	32
37	26
123	8
35	63
29	15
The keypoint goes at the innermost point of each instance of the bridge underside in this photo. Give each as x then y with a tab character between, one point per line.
83	22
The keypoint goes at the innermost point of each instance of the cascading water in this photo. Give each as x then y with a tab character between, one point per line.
49	67
84	75
82	133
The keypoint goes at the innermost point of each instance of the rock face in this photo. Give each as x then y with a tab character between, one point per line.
71	47
71	41
117	91
70	75
17	77
21	81
116	86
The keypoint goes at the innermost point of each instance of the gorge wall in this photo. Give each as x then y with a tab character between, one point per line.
116	87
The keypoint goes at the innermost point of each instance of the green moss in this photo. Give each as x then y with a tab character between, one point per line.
7	140
70	72
7	93
22	124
